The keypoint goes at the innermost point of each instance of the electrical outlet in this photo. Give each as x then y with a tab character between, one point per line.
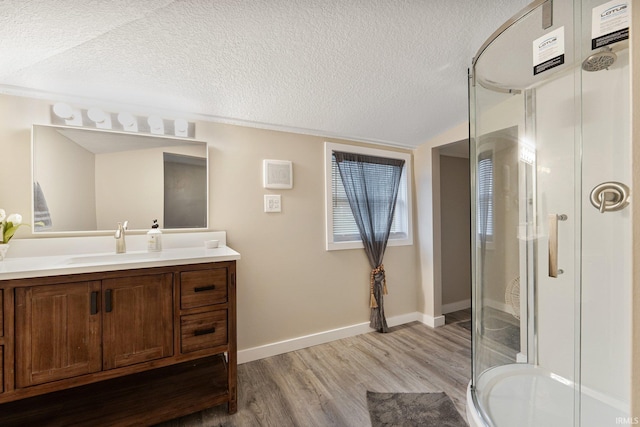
272	203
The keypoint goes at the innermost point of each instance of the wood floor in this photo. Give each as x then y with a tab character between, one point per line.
326	385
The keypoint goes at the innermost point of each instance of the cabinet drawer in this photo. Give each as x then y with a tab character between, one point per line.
1	316
1	369
203	287
203	330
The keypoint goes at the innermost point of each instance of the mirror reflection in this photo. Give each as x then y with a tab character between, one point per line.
89	180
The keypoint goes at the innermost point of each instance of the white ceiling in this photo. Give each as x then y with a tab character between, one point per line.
385	71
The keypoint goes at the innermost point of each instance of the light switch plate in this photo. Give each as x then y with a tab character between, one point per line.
272	203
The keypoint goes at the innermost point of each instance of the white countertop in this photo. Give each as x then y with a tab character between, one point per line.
71	255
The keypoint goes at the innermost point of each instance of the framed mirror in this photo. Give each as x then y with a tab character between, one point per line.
87	180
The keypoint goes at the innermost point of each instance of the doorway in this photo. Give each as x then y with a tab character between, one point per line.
455	220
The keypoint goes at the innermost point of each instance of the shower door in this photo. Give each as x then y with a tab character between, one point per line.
551	267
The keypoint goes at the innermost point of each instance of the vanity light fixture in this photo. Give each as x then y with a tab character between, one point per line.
128	122
95	117
156	125
71	116
102	119
181	127
527	151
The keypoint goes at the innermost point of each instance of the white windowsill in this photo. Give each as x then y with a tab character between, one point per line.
338	246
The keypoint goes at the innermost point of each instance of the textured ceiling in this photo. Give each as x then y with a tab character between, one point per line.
387	71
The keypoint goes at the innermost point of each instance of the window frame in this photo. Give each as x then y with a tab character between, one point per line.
407	174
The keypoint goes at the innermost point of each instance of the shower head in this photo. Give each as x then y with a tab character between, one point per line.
600	60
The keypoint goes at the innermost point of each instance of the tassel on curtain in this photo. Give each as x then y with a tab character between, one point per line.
378	270
371	184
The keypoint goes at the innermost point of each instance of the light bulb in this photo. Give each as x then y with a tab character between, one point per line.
181	127
62	110
97	115
156	125
125	119
70	115
102	119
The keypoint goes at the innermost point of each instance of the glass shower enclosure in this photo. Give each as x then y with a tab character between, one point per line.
551	229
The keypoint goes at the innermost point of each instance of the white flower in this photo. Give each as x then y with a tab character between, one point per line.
15	219
3	215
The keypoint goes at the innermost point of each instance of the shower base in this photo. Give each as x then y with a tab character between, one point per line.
529	396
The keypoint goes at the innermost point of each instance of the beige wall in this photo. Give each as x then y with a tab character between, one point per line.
288	285
455	205
427	185
635	106
17	115
69	209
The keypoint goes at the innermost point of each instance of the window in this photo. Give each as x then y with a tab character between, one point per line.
341	229
485	196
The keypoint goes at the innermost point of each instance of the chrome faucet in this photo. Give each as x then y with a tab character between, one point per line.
121	246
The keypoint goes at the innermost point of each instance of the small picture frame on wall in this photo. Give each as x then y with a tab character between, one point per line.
277	174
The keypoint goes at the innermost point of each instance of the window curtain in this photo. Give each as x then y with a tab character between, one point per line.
371	184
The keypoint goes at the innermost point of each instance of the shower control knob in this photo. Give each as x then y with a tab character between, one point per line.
610	196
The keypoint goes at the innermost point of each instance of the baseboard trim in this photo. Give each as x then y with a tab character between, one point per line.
434	322
498	305
273	349
455	306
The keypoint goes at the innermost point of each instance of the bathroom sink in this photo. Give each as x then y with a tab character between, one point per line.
113	258
57	256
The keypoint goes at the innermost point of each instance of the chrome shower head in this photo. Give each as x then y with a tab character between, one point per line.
600	60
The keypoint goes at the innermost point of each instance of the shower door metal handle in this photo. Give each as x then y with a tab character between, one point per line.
553	243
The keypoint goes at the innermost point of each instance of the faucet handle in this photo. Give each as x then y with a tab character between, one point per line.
121	228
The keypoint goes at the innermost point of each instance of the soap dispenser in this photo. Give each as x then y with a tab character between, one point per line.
154	238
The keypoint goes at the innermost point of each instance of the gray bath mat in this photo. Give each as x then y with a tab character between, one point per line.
413	409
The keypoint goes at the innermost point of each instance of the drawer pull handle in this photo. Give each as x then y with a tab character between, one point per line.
108	303
204	331
204	288
94	302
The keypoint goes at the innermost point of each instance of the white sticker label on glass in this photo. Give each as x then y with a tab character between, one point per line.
609	23
548	51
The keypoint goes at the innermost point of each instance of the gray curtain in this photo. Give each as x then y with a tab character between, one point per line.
371	184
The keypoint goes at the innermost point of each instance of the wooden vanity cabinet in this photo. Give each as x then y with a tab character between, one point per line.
61	333
89	332
2	339
57	334
1	313
137	319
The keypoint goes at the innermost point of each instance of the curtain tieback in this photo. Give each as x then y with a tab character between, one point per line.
379	269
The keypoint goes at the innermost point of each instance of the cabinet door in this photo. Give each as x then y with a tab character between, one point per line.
138	319
58	332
